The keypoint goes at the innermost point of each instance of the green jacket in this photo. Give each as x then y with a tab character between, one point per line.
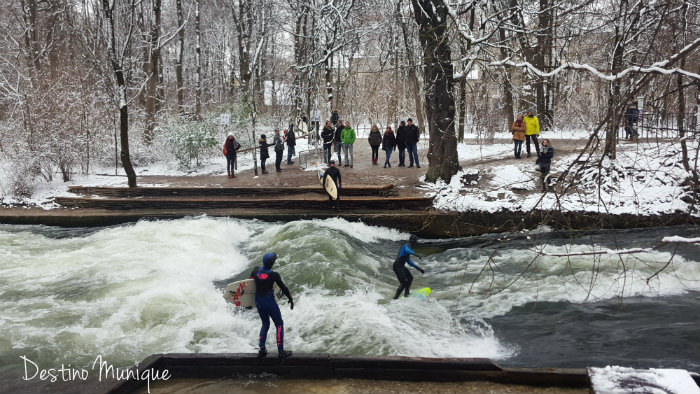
347	136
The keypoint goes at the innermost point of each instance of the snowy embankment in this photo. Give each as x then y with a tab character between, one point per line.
645	179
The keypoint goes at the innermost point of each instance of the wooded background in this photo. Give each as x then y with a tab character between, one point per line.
83	79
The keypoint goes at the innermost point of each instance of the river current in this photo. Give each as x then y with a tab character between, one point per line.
125	292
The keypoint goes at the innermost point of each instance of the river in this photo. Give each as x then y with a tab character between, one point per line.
125	292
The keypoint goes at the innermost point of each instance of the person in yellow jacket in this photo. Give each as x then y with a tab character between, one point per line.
532	131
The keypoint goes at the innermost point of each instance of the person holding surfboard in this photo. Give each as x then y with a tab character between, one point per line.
265	278
402	273
334	173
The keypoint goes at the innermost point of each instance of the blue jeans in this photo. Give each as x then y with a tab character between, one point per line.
413	154
346	148
340	151
402	156
327	148
388	156
268	308
290	153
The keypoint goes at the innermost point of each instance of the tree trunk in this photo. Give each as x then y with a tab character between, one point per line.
431	16
542	60
178	64
413	75
198	63
462	108
153	72
121	87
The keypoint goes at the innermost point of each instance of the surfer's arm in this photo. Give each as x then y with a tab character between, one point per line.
340	181
283	287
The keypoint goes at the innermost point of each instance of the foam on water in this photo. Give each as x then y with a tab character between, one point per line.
128	291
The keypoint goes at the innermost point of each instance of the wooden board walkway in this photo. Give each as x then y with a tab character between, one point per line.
222	202
351	190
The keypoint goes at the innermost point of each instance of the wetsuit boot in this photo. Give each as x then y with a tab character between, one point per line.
284	354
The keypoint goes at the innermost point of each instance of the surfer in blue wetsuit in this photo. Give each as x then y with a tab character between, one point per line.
402	273
265	278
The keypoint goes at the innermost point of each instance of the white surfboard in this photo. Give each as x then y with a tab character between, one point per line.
331	188
242	293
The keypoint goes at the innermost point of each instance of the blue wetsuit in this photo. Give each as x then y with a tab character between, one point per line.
402	273
265	279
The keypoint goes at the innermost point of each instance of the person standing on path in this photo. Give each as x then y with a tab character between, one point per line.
401	143
518	130
338	143
291	143
402	273
279	150
335	117
375	140
265	278
347	137
327	135
333	172
532	131
388	144
231	146
412	136
544	160
264	153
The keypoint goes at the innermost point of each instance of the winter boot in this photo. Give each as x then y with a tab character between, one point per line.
262	352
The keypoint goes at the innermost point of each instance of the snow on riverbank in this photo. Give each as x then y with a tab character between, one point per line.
644	180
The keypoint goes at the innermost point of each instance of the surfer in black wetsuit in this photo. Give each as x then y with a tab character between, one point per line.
265	278
334	173
402	273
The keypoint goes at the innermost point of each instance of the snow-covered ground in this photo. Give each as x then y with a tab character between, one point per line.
645	179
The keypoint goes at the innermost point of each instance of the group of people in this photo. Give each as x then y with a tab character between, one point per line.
527	128
265	279
340	138
231	147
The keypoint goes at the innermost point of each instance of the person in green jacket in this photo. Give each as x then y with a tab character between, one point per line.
347	137
532	131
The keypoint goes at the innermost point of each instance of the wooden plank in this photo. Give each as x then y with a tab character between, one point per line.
364	203
351	190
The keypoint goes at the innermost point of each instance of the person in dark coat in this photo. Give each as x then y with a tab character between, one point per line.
338	143
334	173
291	143
264	154
265	279
388	144
375	140
327	135
335	117
412	136
401	143
231	146
631	119
279	150
544	160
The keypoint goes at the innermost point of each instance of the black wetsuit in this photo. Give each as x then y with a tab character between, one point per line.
334	173
265	279
402	273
